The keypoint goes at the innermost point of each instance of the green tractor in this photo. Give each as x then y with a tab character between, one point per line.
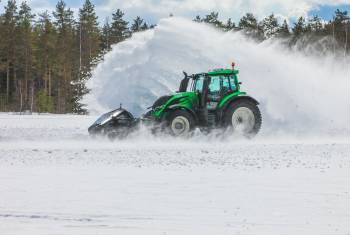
208	101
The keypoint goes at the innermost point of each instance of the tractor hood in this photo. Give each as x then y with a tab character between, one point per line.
183	98
177	100
172	98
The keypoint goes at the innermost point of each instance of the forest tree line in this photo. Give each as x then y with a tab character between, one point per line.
323	36
46	59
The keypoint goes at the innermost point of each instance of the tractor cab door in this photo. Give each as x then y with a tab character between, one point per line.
214	92
201	87
219	87
211	90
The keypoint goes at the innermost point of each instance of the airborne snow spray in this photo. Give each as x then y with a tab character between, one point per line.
299	95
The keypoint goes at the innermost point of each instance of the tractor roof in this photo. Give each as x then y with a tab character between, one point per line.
216	72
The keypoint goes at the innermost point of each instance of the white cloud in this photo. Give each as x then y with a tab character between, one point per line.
153	10
36	5
227	8
40	6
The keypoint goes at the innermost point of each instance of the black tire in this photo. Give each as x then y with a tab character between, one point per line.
180	123
234	116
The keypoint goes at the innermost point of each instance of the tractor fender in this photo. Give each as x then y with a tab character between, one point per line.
177	107
235	99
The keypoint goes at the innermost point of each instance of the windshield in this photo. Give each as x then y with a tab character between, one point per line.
218	84
198	84
214	86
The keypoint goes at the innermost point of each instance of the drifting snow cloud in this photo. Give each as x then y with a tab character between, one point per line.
298	94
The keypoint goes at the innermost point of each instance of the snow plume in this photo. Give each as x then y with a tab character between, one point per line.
298	94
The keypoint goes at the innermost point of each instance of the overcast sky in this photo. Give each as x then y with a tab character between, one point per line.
153	10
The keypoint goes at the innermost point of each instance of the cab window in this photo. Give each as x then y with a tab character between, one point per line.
214	86
233	83
198	84
226	85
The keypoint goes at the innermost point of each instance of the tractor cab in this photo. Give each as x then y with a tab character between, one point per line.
214	86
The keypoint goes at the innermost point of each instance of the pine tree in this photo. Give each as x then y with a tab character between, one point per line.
213	19
25	57
9	23
89	40
66	54
315	25
340	25
250	25
119	28
270	26
89	51
248	22
197	19
341	17
229	25
152	26
299	27
283	30
106	36
137	24
144	26
45	43
2	59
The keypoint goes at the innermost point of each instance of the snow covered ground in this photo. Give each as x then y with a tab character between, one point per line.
54	179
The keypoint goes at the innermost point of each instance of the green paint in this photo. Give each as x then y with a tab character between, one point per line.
190	100
228	97
217	72
185	100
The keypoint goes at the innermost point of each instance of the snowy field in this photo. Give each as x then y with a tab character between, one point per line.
54	179
293	179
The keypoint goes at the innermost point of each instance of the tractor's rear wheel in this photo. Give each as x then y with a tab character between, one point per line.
243	117
180	123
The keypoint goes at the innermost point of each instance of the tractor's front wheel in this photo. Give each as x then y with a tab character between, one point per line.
243	117
180	123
